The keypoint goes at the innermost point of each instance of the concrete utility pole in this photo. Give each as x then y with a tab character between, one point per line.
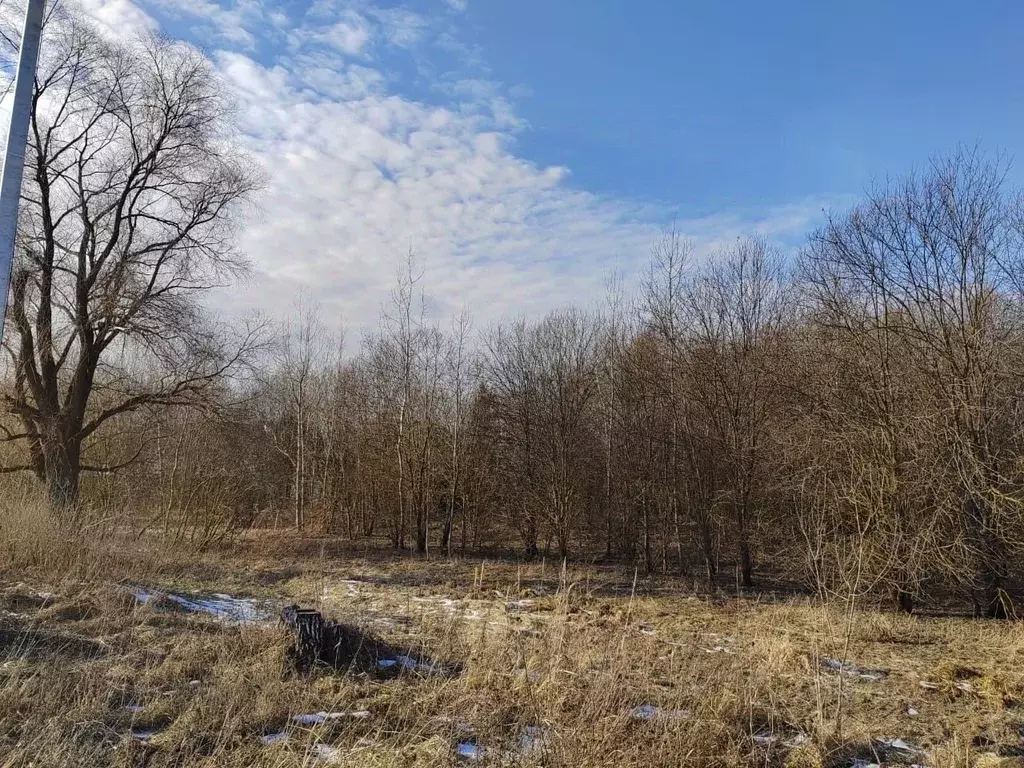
17	139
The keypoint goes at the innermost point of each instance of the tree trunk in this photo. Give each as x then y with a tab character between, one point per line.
61	456
422	529
746	559
992	600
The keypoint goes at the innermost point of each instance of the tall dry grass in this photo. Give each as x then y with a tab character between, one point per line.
741	683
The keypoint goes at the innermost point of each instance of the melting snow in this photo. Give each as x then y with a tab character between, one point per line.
274	738
767	739
853	670
645	712
317	718
899	745
327	753
532	739
651	712
410	664
469	751
234	610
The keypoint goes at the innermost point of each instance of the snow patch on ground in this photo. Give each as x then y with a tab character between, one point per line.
226	608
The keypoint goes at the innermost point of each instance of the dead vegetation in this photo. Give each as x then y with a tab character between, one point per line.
557	667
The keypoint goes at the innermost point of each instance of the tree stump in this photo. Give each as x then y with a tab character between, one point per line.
307	628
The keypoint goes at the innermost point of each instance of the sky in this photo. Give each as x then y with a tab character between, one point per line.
526	149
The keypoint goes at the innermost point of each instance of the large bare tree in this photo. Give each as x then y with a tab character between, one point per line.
131	186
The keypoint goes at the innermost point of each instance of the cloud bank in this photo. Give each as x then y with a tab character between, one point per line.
381	130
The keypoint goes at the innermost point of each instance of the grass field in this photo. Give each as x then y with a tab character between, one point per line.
558	667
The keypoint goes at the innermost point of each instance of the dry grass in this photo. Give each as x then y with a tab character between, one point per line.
739	683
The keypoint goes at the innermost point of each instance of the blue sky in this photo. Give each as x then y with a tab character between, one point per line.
526	149
711	104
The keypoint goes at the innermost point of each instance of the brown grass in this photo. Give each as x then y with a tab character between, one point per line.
738	683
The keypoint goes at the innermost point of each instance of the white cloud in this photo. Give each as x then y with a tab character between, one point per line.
359	173
349	35
218	23
120	17
458	5
401	27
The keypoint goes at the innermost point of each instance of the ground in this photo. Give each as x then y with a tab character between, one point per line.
533	664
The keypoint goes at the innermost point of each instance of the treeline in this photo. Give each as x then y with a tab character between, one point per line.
850	416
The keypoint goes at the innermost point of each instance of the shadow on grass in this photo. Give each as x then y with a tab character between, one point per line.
319	643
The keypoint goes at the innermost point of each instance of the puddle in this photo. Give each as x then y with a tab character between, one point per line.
227	608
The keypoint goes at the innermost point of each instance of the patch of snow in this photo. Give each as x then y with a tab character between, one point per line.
133	708
852	670
234	610
273	738
900	746
911	712
929	686
469	751
532	739
644	712
327	754
318	718
143	735
410	664
651	712
767	739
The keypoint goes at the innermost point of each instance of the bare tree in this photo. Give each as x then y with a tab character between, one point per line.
932	261
131	189
734	309
459	372
305	361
